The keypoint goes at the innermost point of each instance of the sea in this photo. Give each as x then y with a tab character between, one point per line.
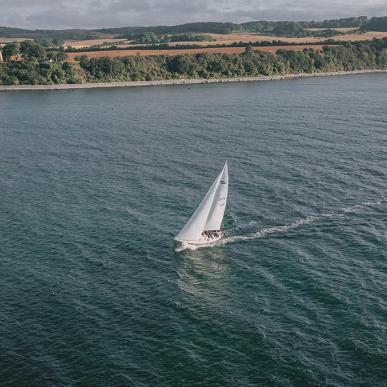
95	184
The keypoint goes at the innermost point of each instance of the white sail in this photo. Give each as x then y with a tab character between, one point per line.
215	217
193	229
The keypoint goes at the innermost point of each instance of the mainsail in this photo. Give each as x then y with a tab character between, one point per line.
209	214
215	217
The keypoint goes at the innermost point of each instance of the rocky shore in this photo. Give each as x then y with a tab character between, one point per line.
180	81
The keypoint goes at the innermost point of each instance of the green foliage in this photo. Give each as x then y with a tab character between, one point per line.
30	73
152	38
10	49
346	57
364	55
188	38
146	38
39	65
56	56
189	28
376	24
348	22
32	50
288	29
50	43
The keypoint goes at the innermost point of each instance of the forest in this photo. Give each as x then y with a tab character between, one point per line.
30	63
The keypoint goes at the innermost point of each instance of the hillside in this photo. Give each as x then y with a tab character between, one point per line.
277	28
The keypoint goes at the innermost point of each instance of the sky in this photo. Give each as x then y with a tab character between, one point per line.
116	13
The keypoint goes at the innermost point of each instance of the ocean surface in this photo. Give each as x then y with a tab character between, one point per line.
94	184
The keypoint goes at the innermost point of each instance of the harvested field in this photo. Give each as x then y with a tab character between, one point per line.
91	42
211	50
256	37
340	29
361	36
8	40
221	39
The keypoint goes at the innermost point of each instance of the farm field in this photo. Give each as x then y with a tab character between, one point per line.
211	50
221	39
92	42
255	37
361	36
340	29
9	40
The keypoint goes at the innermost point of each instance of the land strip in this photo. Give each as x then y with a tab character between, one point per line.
181	81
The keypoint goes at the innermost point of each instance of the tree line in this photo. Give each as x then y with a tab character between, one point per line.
362	22
153	38
35	69
182	46
357	56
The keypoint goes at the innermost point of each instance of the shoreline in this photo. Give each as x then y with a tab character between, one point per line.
167	82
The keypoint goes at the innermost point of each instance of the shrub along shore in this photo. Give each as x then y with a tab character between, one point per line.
99	85
47	67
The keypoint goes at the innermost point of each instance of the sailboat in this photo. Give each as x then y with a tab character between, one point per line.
205	225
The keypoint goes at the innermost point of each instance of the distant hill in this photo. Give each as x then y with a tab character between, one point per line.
11	32
367	24
376	24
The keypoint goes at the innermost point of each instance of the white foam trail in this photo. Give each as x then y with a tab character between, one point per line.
185	246
298	223
288	227
271	230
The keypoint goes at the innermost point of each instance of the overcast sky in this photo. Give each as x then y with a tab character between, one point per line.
115	13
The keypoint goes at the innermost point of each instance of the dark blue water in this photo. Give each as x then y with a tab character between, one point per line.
94	184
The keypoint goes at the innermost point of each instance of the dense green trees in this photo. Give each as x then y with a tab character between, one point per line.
152	38
31	50
288	29
32	73
10	49
147	37
356	56
187	38
35	70
38	65
376	24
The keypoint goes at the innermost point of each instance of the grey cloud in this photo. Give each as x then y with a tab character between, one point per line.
110	13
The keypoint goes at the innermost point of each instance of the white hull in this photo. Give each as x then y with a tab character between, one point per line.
202	242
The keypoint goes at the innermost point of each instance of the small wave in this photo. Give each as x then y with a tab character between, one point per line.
362	206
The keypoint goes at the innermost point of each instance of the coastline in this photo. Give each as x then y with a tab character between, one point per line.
167	82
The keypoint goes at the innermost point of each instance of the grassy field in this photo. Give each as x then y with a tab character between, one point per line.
228	50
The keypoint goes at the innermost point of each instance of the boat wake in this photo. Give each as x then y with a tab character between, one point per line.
300	222
266	232
186	246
